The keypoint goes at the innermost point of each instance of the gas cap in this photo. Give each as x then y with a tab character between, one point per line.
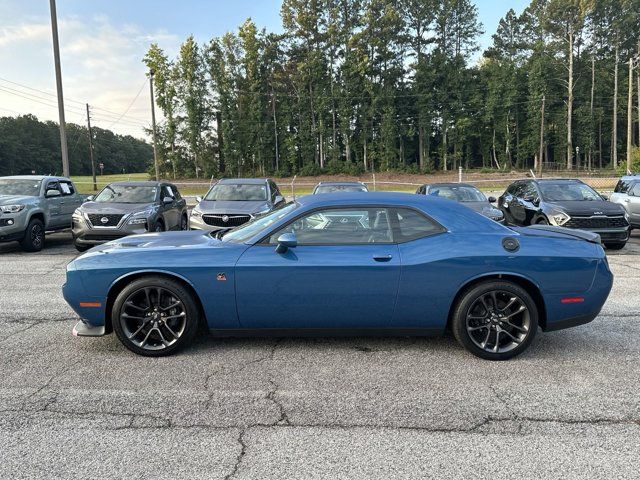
510	244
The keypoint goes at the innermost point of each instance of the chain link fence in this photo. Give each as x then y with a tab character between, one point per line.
493	183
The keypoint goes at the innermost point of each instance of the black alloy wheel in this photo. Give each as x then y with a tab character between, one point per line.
495	320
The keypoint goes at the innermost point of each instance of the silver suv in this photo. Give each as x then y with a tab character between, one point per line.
627	194
234	201
31	205
128	208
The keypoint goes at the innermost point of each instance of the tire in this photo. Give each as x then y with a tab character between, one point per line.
184	223
542	221
82	248
159	227
615	246
152	335
34	236
469	326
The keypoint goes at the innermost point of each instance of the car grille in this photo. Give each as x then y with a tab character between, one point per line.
112	219
226	220
597	222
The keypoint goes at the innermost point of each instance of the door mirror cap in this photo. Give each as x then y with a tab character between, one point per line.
167	200
89	199
492	200
286	241
198	199
52	193
279	199
606	198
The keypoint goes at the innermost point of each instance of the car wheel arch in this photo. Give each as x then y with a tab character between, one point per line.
38	215
530	286
118	285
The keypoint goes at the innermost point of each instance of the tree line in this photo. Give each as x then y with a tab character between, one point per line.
28	145
369	85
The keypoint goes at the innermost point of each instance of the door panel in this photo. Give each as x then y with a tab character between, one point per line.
634	204
318	286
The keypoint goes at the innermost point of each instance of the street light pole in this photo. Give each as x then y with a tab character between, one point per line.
56	57
153	123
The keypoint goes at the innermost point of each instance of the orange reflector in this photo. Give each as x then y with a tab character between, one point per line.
572	300
90	304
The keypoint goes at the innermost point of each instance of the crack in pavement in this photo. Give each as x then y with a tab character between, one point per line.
29	326
240	456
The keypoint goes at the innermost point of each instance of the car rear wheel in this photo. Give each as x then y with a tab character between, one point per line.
82	248
615	246
495	320
33	240
155	316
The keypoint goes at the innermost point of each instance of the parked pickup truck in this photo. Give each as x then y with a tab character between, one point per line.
32	205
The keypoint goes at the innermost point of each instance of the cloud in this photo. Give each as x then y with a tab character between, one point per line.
101	65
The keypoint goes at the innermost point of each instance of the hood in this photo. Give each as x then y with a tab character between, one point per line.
16	199
105	208
181	239
479	207
587	208
224	206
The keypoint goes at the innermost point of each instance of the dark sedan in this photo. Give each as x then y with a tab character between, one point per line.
466	194
568	203
333	187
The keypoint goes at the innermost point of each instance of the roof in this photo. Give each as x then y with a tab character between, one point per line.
33	177
243	181
138	184
557	180
449	184
359	184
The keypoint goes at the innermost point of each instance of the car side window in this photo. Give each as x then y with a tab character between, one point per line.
529	190
341	226
622	187
67	188
413	225
635	191
176	193
53	185
167	192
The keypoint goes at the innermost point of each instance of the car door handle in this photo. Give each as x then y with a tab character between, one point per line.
626	200
382	258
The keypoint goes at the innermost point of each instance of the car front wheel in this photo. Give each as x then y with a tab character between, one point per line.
495	320
33	240
155	316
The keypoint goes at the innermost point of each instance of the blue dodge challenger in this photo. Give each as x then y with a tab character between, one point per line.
344	263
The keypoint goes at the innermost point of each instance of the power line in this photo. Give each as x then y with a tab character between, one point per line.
130	105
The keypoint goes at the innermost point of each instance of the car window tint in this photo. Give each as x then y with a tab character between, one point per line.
413	225
529	190
52	186
167	191
636	190
176	193
623	186
341	227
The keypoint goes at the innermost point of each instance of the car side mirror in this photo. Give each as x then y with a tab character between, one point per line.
167	201
286	241
492	200
606	198
279	199
89	199
198	199
52	193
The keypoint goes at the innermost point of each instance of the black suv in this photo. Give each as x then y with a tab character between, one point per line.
566	203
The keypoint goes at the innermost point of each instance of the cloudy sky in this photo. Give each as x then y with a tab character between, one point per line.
102	44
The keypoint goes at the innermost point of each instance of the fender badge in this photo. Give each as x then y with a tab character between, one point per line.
221	277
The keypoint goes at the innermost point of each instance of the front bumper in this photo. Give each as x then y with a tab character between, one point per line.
86	235
617	235
12	226
198	223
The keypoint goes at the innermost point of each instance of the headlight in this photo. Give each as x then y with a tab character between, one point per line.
11	208
196	212
560	218
140	218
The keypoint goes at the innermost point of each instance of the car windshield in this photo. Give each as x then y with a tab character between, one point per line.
28	188
340	188
563	192
239	192
127	194
458	193
258	224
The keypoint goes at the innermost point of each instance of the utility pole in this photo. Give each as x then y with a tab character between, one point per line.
56	56
153	123
93	162
630	116
541	138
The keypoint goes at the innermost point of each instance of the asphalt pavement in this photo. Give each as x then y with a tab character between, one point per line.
311	408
